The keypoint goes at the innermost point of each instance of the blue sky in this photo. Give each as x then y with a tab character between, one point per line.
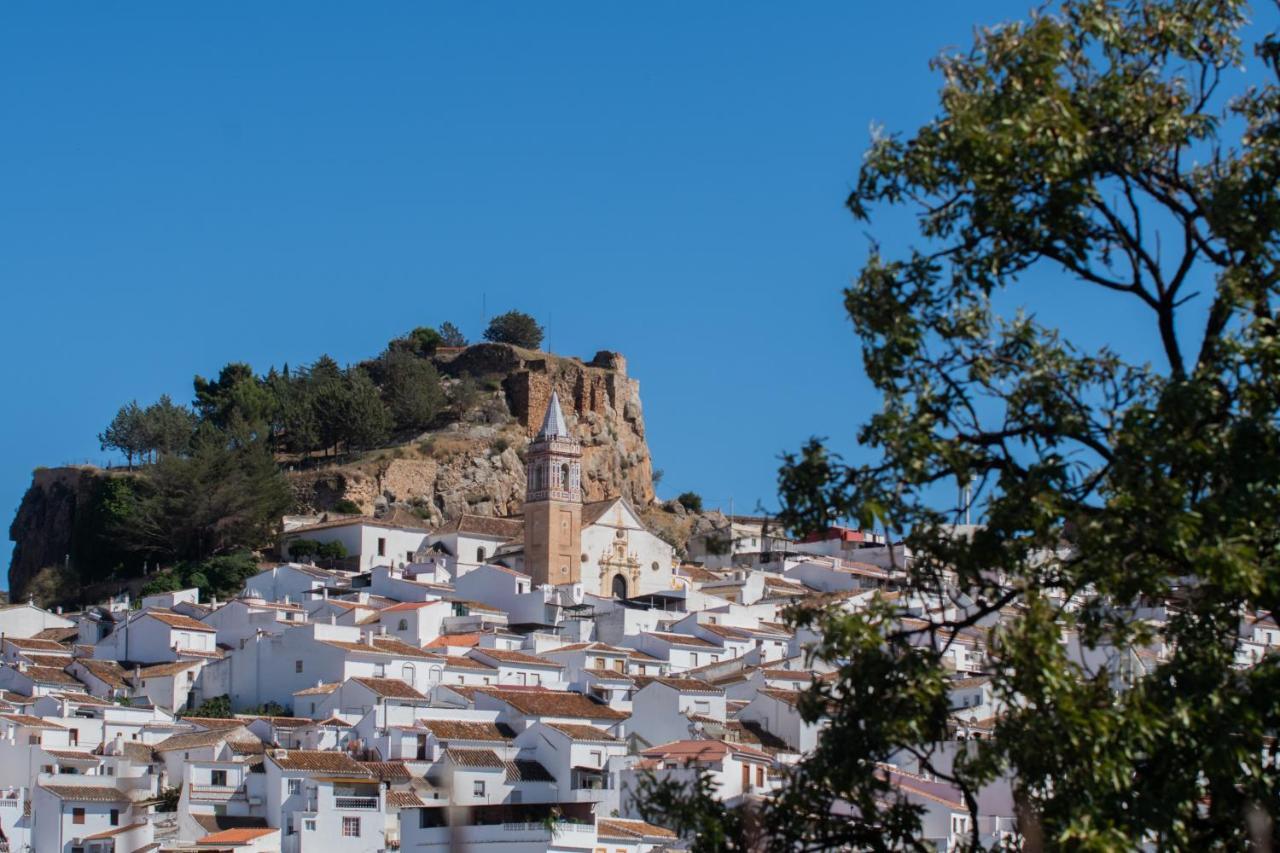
183	185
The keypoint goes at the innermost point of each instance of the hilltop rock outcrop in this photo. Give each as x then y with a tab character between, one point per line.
477	466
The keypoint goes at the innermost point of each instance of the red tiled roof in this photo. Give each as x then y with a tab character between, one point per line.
236	836
455	640
509	656
553	703
391	688
177	620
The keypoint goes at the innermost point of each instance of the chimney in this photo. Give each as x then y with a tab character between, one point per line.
319	682
279	753
369	638
64	707
58	610
137	672
382	630
333	619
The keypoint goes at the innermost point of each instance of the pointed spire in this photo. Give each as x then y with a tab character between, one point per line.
553	425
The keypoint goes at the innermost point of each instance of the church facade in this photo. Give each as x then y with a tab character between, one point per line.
604	545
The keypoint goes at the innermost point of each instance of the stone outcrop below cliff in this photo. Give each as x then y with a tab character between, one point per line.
477	464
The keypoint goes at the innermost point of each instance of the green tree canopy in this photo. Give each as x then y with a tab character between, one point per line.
1096	150
411	387
364	421
514	327
167	427
126	433
219	498
451	336
237	401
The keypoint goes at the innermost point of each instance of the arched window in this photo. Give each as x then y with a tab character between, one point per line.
480	554
403	625
564	476
408	674
619	586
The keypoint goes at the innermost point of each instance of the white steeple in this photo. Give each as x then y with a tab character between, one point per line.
553	425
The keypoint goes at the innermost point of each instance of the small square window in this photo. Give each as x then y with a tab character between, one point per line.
295	787
477	788
297	666
351	827
77	815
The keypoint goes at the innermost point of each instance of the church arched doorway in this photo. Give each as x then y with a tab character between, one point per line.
619	586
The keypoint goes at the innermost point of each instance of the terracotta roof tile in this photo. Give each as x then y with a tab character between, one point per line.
236	836
316	761
390	688
586	734
388	771
683	685
384	646
482	525
554	703
51	675
450	730
630	830
511	656
404	800
475	758
36	645
177	620
682	640
87	793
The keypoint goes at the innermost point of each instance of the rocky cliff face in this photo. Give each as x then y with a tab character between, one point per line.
477	465
45	532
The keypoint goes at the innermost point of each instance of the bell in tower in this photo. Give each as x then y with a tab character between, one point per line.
553	502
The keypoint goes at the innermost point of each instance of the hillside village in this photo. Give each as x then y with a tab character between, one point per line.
491	683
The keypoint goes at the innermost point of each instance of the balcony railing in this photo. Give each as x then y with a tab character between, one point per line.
356	803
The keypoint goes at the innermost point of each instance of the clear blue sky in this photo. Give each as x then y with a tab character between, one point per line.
183	185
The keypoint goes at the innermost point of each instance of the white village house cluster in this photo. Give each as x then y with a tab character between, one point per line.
497	684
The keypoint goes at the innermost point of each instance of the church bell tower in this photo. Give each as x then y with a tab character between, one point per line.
553	502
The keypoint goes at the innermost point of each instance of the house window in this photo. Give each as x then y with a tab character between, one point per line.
351	827
77	815
693	658
477	788
297	666
408	674
402	625
115	817
759	777
480	555
295	787
218	778
596	757
702	707
382	552
600	663
309	824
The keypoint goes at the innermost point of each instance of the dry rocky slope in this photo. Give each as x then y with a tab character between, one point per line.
474	465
